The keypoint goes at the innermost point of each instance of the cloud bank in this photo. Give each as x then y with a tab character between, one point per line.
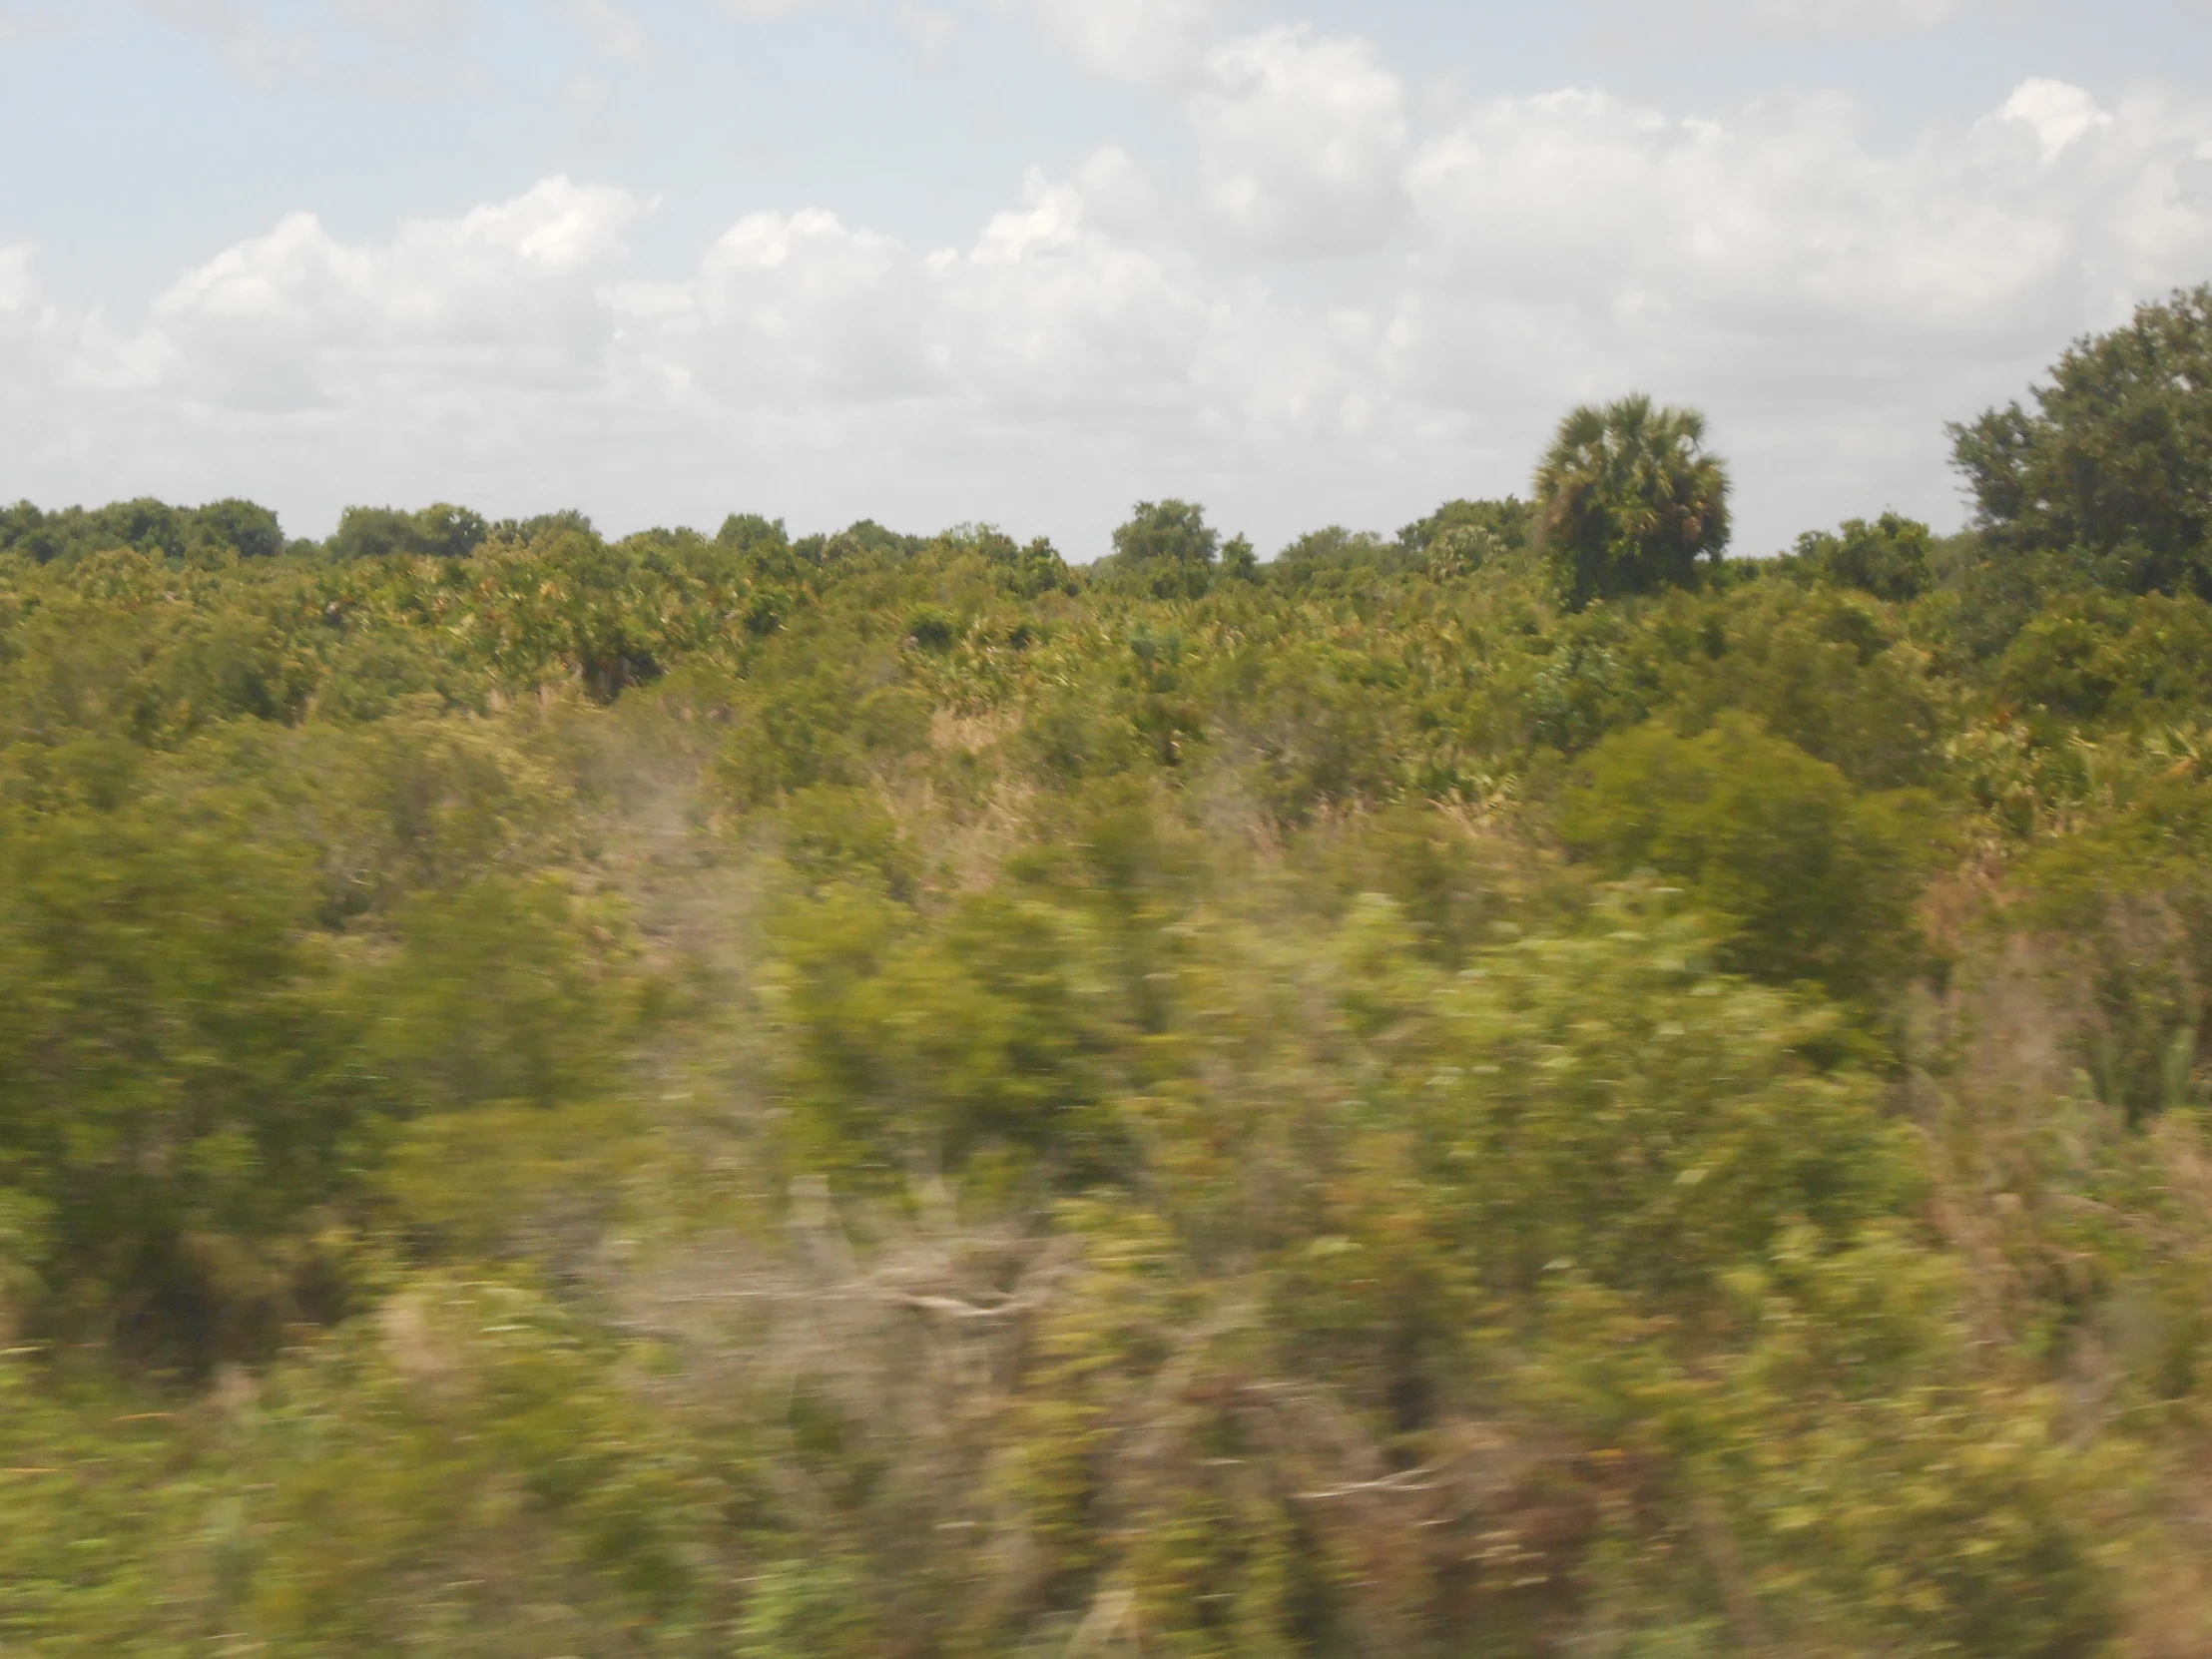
1332	308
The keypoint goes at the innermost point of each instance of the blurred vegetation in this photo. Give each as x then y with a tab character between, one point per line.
1513	1088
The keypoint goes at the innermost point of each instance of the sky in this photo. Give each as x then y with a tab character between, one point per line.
1028	261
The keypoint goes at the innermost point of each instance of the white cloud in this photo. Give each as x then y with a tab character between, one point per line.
19	287
385	46
2193	182
25	383
1786	20
257	50
1045	317
797	306
932	30
1145	42
411	20
1843	19
1052	316
2058	113
1831	298
1121	194
22	18
1300	138
1778	216
504	297
614	29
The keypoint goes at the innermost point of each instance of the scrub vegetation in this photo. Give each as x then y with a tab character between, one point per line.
1526	1088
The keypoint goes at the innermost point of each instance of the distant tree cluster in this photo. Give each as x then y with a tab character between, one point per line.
239	528
439	533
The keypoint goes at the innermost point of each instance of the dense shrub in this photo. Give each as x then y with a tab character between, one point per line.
1517	1090
1805	880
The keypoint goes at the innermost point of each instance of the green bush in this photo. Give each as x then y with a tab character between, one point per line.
175	1067
1807	880
2107	659
1516	1090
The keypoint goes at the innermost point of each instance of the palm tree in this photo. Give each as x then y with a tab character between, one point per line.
1628	501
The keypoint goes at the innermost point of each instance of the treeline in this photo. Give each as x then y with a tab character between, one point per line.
1518	1087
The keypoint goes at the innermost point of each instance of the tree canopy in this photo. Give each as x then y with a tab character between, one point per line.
2108	482
238	528
1628	501
1508	1089
1166	549
441	531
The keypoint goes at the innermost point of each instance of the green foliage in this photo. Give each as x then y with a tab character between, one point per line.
1844	1487
1608	1104
1333	549
1167	551
443	531
103	1515
2124	900
751	533
868	1094
524	531
986	1038
805	1608
2112	658
1319	555
1889	558
231	528
1467	535
173	1067
1806	879
1825	670
1628	501
2106	483
467	1471
495	997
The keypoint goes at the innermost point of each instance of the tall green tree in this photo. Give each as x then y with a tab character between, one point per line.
2109	481
246	526
1166	550
1628	499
